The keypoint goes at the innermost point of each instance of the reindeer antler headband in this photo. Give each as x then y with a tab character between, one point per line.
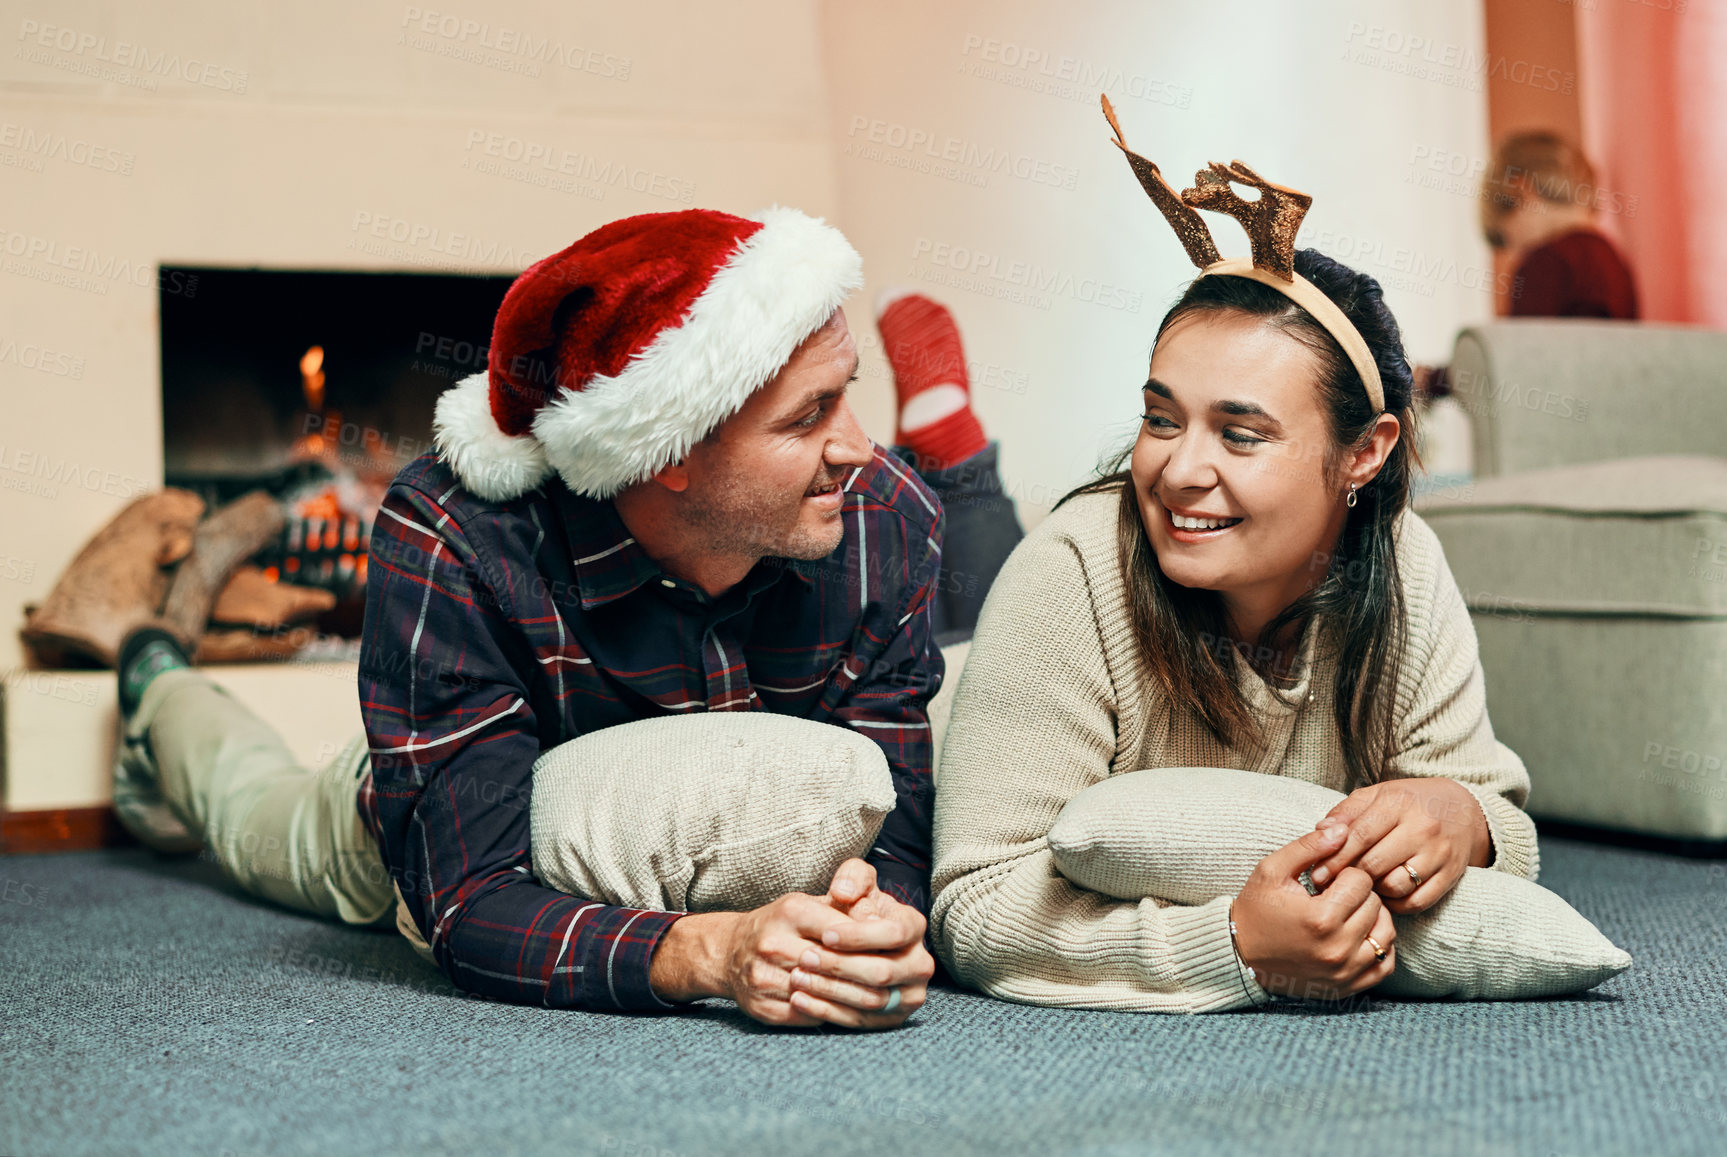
1271	223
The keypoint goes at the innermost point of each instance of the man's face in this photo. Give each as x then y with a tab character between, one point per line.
766	482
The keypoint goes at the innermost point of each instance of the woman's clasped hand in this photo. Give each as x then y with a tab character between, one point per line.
1414	837
1395	847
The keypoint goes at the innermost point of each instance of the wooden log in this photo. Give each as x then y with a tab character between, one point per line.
251	600
116	582
252	646
223	541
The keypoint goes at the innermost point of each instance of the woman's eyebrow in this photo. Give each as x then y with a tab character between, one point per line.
1249	409
1224	406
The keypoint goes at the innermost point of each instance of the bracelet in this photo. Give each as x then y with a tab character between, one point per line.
1240	959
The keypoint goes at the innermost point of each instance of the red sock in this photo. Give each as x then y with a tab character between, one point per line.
923	347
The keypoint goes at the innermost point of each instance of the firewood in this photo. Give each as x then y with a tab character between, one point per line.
223	541
115	583
252	647
252	600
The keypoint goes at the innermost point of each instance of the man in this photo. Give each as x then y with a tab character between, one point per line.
610	531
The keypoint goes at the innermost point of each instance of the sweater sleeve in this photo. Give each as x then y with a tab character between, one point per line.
1446	731
1034	724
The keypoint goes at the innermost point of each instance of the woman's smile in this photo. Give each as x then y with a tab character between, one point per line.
1195	527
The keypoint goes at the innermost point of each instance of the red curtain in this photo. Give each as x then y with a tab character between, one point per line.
1653	87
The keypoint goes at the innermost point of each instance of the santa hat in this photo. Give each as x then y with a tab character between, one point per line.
611	359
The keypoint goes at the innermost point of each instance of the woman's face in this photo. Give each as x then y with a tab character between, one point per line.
1235	432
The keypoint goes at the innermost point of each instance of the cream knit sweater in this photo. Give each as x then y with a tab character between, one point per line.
1053	698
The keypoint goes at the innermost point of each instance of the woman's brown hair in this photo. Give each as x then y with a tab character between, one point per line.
1360	601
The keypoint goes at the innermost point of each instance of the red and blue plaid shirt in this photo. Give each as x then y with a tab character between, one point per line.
495	631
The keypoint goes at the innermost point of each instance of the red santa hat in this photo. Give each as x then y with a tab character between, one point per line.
611	359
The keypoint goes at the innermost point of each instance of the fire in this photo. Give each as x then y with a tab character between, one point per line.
312	444
333	516
325	505
312	378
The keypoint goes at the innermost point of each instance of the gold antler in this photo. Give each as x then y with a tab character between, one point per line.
1270	221
1187	223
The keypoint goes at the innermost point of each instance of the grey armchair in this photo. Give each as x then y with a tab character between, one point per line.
1591	547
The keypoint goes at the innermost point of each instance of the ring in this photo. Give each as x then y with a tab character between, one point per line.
892	1001
1412	873
1378	952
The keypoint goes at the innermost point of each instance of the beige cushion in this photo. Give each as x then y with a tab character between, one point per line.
1191	834
1630	536
720	811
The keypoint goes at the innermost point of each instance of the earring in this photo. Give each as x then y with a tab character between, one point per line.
1350	501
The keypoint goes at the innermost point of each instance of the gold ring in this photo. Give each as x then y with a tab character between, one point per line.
1412	873
1378	952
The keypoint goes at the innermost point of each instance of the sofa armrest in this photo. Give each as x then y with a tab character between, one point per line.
1544	393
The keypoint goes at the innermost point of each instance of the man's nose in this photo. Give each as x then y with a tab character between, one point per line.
849	446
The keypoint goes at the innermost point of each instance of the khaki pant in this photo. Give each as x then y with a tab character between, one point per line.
284	833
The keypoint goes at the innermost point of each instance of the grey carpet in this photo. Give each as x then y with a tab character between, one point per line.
152	1008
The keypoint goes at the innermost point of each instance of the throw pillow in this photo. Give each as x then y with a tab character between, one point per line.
719	811
1191	834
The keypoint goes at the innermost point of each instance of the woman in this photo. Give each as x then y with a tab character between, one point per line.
1313	631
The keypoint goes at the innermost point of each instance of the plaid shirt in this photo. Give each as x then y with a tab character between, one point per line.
495	631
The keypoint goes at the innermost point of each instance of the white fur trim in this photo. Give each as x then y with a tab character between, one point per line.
777	289
489	462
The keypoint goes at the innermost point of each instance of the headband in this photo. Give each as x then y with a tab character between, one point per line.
1271	222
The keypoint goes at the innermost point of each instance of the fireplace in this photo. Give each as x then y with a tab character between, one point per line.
317	387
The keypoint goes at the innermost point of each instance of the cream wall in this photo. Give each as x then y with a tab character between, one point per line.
1359	104
351	113
282	134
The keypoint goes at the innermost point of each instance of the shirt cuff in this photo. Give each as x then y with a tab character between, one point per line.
616	964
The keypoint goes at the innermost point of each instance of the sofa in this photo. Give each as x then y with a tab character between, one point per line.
1590	544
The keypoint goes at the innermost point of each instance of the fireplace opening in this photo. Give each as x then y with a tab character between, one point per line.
317	387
